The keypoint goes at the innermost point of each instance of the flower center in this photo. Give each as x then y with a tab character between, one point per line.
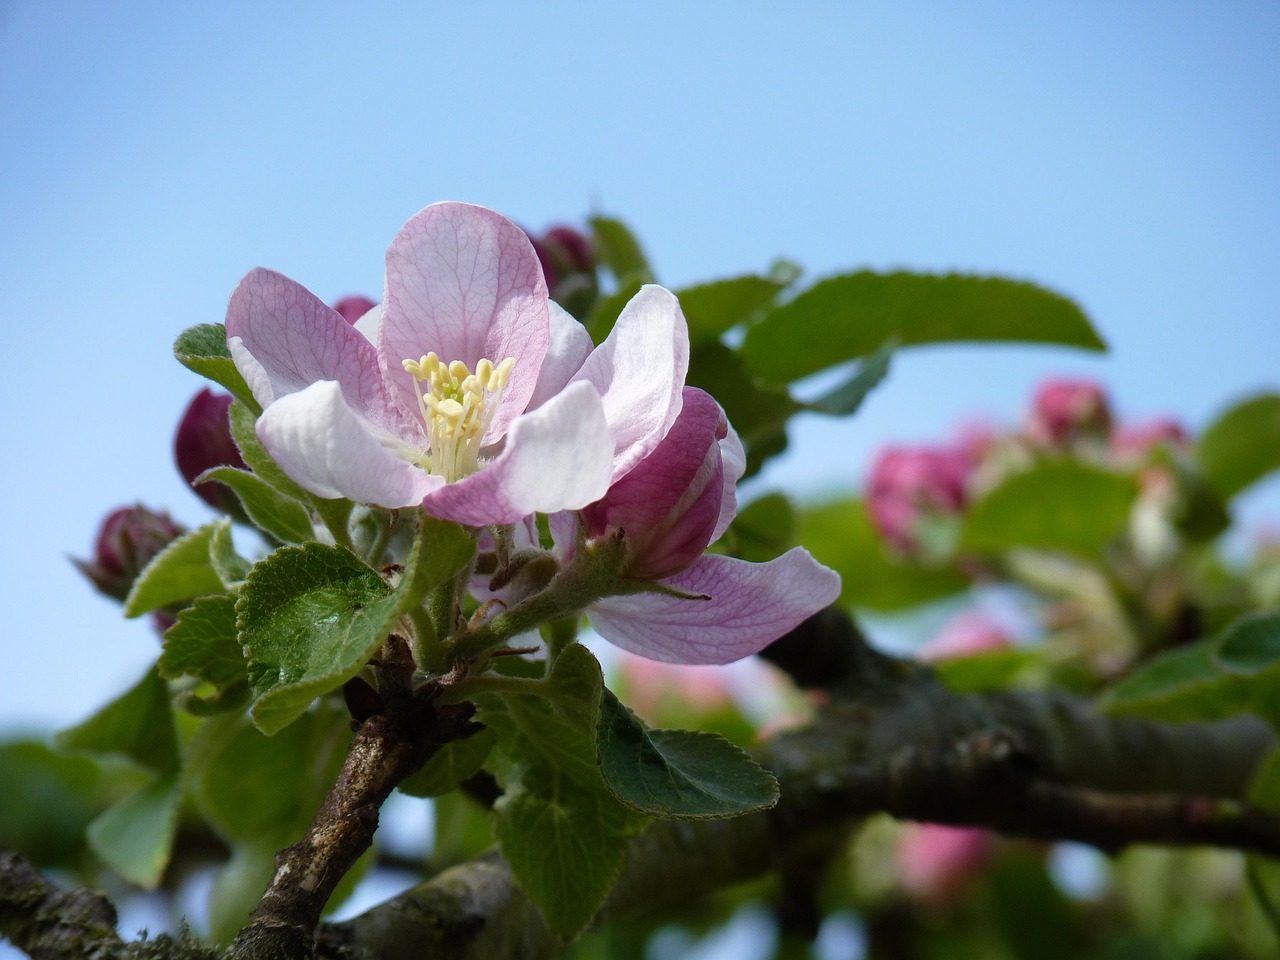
456	407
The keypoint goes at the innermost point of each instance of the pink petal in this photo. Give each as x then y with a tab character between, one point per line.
319	441
639	372
464	282
750	606
557	457
569	348
283	339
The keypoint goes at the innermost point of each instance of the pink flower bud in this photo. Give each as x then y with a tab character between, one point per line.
910	484
937	864
1134	442
203	440
966	634
353	308
127	540
668	505
1063	411
569	265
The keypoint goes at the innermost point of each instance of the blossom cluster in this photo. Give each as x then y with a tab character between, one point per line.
467	392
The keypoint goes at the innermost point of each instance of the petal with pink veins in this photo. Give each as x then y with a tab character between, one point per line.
750	606
465	283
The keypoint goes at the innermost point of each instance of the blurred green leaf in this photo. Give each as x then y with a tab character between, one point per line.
137	725
713	308
1251	644
994	670
1242	445
604	314
449	766
618	250
844	400
136	835
758	412
280	516
678	774
763	529
852	315
203	350
1055	505
840	535
182	570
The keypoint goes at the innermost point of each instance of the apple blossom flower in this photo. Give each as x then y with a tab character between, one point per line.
704	608
937	864
203	441
1064	411
909	485
472	394
967	634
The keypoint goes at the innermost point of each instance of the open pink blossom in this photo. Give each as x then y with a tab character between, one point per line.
471	395
679	499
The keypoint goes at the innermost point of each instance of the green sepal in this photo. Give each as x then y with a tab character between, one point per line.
280	516
135	837
137	725
182	570
203	350
204	644
852	315
678	774
1055	505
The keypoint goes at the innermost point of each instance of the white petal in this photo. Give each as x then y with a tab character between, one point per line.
557	457
639	373
322	444
734	457
569	348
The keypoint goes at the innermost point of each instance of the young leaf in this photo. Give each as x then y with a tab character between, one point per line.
138	725
763	529
618	250
451	764
1242	445
1056	505
282	517
182	570
715	307
203	350
243	420
136	835
852	315
230	567
204	644
678	774
845	399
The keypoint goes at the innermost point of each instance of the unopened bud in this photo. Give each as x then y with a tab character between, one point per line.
668	505
569	264
1064	411
937	864
203	441
127	541
909	486
965	635
353	308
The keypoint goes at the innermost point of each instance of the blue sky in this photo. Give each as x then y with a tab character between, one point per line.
1123	154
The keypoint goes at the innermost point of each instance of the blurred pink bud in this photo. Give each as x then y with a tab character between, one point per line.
910	484
571	248
651	686
966	634
568	260
1134	442
127	540
353	308
203	441
1066	410
937	864
670	502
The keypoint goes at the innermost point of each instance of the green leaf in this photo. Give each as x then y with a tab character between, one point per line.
604	314
255	454
840	535
994	670
713	308
182	570
618	250
1242	445
1263	876
204	644
203	349
282	517
759	412
852	315
559	827
138	725
678	774
451	764
1056	505
1264	790
1251	644
230	567
310	617
845	399
136	835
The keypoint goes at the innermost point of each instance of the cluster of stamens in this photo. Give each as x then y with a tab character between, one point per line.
456	408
